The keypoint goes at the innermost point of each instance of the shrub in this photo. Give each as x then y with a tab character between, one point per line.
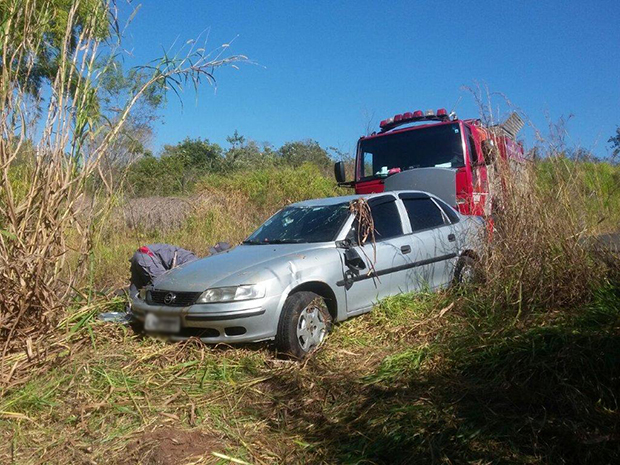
175	171
307	151
272	188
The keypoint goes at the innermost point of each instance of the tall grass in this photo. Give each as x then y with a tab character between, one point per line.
63	50
540	255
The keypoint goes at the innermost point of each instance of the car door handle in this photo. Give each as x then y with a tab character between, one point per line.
451	237
405	249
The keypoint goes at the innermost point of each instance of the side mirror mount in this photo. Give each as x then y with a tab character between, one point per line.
344	244
489	149
353	260
339	172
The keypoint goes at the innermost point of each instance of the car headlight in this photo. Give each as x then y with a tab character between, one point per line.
142	294
230	294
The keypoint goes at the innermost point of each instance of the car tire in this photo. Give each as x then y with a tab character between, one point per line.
304	323
467	271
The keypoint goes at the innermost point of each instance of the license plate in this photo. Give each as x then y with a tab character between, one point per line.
162	323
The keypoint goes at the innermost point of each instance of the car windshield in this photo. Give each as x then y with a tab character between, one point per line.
302	224
433	146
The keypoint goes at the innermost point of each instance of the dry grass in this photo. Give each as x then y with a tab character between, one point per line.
422	378
541	251
154	214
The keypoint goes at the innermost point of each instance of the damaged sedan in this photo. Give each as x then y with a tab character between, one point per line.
310	265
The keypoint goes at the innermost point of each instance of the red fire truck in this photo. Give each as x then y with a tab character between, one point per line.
438	153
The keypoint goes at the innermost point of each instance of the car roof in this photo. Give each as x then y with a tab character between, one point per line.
324	202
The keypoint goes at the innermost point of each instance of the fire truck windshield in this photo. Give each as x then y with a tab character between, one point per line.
432	146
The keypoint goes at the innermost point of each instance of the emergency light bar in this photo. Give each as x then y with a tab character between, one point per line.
418	115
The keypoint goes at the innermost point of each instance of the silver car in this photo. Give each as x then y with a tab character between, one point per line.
304	269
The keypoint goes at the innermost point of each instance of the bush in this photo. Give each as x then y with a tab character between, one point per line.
272	188
307	151
176	170
179	167
595	184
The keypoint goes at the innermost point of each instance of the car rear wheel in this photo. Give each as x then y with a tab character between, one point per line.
304	324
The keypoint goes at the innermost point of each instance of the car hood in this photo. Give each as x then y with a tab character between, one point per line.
240	265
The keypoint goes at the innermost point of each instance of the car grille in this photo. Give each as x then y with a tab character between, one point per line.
181	299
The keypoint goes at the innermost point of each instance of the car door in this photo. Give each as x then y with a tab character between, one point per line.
381	258
433	242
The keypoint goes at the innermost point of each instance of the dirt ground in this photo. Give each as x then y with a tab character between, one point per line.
171	446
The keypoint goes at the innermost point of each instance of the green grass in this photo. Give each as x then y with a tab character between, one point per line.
598	184
416	380
269	189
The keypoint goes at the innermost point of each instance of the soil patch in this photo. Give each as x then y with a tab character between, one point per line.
170	446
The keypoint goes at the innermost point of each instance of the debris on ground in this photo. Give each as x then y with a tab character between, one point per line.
116	317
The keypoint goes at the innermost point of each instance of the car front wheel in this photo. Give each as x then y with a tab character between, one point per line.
304	324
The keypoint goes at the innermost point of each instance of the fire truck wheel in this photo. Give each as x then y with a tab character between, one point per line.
467	271
304	324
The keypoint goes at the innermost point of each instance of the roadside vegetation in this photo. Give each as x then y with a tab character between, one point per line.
521	368
516	371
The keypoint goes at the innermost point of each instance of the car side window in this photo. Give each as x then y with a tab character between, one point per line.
386	219
452	215
423	214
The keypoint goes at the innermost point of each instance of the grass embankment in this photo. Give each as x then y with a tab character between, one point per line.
445	378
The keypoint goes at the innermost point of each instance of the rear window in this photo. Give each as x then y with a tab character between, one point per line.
449	211
423	214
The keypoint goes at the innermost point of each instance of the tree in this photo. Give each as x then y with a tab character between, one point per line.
307	151
176	170
236	140
136	134
196	154
246	154
58	25
615	143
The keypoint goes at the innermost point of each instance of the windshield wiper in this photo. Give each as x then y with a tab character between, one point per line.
253	242
272	241
283	241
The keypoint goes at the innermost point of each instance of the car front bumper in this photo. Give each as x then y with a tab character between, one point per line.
229	322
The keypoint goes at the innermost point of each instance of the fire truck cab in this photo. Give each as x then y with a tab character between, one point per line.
435	152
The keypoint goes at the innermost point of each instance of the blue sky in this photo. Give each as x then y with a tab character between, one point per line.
326	68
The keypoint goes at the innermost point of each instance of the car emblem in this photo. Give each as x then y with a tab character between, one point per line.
170	298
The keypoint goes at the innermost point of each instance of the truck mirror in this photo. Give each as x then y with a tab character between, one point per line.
489	150
339	171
